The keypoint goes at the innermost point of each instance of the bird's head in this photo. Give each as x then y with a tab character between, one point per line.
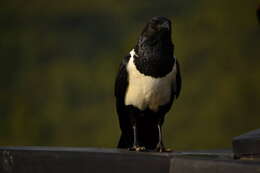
156	30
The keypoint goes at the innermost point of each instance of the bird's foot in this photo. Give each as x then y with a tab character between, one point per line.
160	148
137	148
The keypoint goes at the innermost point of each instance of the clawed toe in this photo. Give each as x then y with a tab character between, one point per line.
162	149
137	148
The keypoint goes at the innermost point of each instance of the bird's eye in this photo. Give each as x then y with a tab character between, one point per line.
153	26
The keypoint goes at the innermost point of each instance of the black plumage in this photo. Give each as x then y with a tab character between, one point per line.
258	14
146	85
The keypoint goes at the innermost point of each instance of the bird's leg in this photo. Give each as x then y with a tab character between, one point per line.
135	135
136	146
133	120
160	147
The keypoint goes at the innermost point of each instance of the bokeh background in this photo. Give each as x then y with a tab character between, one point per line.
59	60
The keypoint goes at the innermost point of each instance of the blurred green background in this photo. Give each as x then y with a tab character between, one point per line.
59	60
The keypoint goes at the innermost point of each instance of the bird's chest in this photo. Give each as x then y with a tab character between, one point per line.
145	91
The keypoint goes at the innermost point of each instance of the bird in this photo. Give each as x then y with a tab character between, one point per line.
147	83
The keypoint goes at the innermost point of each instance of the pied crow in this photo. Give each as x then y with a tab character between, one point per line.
147	83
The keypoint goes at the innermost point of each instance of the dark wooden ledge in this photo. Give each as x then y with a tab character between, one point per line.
96	160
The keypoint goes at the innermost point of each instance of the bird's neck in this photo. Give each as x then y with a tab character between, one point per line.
156	59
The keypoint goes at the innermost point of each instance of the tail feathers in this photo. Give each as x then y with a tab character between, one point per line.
124	142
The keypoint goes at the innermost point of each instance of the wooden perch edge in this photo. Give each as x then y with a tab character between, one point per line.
66	159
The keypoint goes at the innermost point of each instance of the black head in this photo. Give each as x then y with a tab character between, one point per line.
155	48
158	28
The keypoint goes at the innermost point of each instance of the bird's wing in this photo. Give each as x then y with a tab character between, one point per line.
121	84
177	83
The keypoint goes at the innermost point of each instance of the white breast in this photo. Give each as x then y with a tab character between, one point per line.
145	91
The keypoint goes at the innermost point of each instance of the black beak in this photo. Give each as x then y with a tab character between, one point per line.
165	25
